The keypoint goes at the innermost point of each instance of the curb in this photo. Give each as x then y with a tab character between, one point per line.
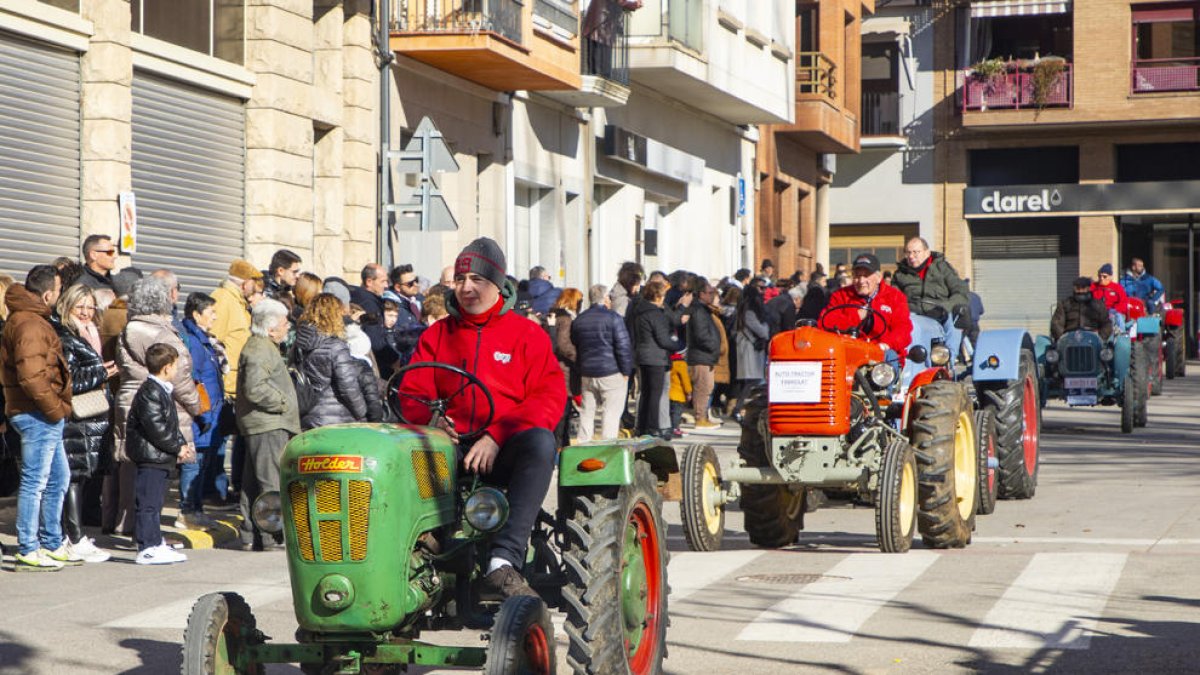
226	533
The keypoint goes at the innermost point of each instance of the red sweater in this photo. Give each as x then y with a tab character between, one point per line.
888	300
510	354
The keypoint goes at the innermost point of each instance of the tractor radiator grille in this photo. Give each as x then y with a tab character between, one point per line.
789	418
341	525
1079	359
432	473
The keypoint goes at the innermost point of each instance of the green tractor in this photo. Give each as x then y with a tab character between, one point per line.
386	539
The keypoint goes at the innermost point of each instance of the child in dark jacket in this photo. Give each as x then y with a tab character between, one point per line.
154	442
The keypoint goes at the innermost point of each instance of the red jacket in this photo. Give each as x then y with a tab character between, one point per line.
510	354
1112	295
888	300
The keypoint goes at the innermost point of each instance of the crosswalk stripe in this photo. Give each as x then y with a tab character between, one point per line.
690	572
1055	603
175	614
834	607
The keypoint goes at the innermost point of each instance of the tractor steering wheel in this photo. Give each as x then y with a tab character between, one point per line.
439	406
862	325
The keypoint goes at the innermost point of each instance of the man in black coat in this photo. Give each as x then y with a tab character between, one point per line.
1081	310
703	351
605	362
781	310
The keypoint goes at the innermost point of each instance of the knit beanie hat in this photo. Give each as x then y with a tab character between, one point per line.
1106	268
483	257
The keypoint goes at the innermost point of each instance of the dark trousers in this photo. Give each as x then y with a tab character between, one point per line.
237	463
260	474
524	467
149	489
653	384
72	519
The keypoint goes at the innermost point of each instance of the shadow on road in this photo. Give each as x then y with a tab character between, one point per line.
157	657
14	657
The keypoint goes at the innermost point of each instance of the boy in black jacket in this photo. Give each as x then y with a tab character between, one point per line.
154	442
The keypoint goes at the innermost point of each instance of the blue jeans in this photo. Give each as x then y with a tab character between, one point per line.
190	486
44	481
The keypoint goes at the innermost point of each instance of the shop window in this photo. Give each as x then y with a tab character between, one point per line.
1024	166
212	27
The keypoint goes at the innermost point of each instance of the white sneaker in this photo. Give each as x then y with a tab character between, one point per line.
159	555
64	554
87	549
36	560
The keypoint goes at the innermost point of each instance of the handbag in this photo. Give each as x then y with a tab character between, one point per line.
205	401
90	404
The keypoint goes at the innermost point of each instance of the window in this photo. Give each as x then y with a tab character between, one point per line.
212	27
806	27
880	89
1166	47
69	5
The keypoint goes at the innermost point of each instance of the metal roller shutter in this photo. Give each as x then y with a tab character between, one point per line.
189	178
39	154
1019	279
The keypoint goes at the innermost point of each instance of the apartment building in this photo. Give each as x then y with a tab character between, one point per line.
238	129
1067	138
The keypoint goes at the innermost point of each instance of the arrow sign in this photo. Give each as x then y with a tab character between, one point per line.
421	206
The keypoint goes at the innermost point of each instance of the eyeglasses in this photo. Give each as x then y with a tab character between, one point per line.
105	251
1105	276
410	284
914	251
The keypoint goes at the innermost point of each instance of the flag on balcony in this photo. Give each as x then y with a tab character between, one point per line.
986	9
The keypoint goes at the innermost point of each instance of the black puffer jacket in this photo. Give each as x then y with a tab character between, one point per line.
601	343
83	439
653	338
152	434
371	391
703	337
333	375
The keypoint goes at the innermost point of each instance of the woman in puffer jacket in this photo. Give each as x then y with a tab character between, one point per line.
332	372
83	438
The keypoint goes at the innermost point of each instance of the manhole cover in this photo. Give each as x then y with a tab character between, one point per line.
786	579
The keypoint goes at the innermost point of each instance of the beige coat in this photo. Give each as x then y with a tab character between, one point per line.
232	327
140	333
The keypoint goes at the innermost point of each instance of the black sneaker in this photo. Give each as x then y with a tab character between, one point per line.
507	582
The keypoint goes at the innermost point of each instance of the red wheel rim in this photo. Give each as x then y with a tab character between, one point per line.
991	471
537	650
642	519
1029	425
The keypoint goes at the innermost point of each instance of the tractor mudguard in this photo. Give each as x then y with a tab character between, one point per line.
1040	344
1122	353
1148	325
998	355
914	389
614	463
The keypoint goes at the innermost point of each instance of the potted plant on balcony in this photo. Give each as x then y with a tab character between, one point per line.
991	73
1047	74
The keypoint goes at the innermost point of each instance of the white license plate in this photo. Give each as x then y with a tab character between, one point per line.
1081	400
1080	383
795	382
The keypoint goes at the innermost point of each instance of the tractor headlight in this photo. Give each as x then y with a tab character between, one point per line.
1052	356
486	509
267	512
882	375
1106	354
939	355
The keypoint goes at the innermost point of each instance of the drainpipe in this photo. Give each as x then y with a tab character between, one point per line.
821	245
383	236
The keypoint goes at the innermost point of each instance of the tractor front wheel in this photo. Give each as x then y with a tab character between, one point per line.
896	502
1171	356
702	508
616	593
1154	360
522	639
1017	409
943	435
1136	379
989	483
773	515
219	626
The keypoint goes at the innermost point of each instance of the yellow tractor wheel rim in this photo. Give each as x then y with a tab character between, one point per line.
710	490
966	465
908	499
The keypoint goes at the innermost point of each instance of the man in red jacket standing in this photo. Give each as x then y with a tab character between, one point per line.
514	358
889	326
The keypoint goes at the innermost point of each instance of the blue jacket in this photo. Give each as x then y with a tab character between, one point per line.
206	370
601	343
542	295
1144	287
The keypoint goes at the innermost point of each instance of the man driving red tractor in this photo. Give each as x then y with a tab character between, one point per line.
876	309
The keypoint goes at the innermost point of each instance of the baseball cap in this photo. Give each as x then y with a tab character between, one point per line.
867	261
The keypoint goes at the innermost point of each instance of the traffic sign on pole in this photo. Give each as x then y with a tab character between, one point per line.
421	206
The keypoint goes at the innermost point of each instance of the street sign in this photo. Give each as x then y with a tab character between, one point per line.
419	203
741	209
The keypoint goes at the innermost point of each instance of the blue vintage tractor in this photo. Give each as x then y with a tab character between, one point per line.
1084	369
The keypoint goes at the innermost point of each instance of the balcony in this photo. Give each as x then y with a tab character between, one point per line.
815	74
1163	75
880	114
493	43
604	60
821	122
1017	86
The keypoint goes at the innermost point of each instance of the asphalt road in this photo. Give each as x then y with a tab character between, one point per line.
1096	574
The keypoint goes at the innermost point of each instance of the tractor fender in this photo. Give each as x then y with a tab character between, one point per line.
1148	325
615	462
998	355
914	389
1122	348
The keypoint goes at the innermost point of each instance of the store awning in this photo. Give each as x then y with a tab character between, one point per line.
880	28
986	9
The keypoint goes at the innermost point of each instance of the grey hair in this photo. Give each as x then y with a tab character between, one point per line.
266	315
167	276
797	292
149	297
596	294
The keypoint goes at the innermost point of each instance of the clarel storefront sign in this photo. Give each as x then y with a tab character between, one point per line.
1069	199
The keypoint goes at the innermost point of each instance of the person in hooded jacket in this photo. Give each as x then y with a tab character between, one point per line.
654	340
324	357
514	358
83	439
209	365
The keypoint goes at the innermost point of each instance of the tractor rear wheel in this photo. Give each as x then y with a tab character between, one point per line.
1154	361
943	435
896	501
219	626
1017	410
615	598
1137	379
522	639
1180	356
989	479
702	508
773	514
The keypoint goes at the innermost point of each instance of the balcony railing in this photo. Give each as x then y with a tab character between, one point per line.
502	17
880	113
685	23
815	74
1165	75
1016	90
559	13
606	48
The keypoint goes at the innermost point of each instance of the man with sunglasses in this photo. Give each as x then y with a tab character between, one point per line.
405	292
99	259
1108	290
